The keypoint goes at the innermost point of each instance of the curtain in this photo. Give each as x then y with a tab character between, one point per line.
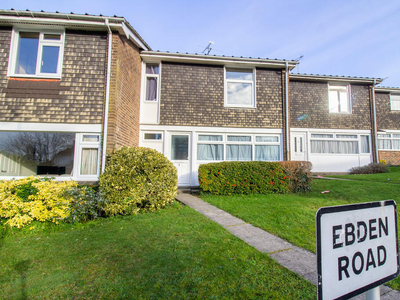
267	152
151	89
267	139
239	152
89	161
239	138
204	137
210	152
396	144
346	136
365	144
384	144
322	136
336	147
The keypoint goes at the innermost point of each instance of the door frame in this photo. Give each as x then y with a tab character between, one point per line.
188	161
293	135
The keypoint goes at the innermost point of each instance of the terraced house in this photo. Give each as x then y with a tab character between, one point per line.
92	84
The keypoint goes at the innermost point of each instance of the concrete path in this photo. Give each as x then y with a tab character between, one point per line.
298	260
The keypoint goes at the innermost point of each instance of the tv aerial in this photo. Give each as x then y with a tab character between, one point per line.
298	60
208	48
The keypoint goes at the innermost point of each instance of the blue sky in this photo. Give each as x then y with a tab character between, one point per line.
352	38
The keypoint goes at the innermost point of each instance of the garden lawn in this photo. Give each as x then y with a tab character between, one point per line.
292	216
174	253
392	177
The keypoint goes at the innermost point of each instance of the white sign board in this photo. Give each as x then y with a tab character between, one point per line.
357	248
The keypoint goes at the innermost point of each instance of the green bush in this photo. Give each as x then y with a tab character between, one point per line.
137	179
253	177
372	168
299	173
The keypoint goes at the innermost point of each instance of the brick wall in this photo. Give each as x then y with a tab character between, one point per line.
77	98
123	122
193	95
309	107
391	157
386	119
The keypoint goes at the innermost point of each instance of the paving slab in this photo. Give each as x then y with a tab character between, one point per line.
298	260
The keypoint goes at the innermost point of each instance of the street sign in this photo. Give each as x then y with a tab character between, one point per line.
357	248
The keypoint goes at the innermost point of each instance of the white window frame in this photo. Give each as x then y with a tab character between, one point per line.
157	76
394	99
79	146
338	88
340	136
152	140
14	47
390	138
252	82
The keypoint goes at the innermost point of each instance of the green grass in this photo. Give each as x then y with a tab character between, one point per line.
392	177
292	216
175	253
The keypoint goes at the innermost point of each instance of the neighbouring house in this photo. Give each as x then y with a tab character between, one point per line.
69	91
73	87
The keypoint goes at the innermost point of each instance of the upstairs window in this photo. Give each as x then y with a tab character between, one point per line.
394	102
339	100
36	54
152	78
239	88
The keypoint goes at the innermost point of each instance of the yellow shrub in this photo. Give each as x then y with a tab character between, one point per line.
33	198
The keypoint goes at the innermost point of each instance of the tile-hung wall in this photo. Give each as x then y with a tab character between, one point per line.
199	124
52	108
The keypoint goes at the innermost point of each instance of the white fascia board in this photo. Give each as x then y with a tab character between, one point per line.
347	131
50	127
211	129
387	89
327	78
131	35
216	60
388	131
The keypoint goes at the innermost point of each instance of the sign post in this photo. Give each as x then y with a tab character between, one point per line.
357	249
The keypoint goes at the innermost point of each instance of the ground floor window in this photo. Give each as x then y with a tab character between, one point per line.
55	154
238	147
330	143
389	141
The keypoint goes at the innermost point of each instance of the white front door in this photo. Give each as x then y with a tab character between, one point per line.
298	146
180	156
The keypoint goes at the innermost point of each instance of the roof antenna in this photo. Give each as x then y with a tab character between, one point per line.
208	48
298	65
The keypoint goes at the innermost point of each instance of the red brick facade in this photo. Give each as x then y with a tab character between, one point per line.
123	118
391	157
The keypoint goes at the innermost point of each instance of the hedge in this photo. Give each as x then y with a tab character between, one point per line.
255	177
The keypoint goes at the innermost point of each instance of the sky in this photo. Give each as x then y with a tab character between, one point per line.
343	37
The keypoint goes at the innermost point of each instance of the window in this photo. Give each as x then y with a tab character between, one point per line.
89	155
153	136
219	147
339	100
151	80
324	143
36	54
389	141
394	102
239	88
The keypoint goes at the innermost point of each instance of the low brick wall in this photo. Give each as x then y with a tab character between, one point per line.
391	157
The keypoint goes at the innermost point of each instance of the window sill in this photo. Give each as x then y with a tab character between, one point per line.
33	78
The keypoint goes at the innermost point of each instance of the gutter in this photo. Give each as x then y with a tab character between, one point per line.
107	104
287	109
375	127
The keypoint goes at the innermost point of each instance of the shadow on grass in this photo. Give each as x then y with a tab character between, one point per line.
22	268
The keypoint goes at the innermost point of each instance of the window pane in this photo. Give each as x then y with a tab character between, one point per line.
396	136
210	152
239	138
204	137
89	161
333	101
347	136
239	93
152	69
322	136
48	36
344	101
180	147
151	89
383	135
267	139
239	152
239	74
27	53
36	153
50	59
153	136
395	105
396	144
384	144
90	138
334	147
267	152
365	144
